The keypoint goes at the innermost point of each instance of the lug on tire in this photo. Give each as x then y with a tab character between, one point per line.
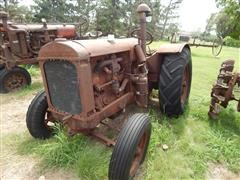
175	82
38	118
131	147
13	79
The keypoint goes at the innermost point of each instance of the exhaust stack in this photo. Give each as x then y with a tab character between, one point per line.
143	11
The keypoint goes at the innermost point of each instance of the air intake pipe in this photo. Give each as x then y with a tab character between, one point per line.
143	11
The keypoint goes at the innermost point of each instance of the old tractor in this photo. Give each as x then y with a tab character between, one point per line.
20	44
89	81
223	90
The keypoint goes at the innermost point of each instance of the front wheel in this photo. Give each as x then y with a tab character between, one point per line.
38	118
175	82
14	79
131	147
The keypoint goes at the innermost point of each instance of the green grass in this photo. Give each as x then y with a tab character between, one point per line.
79	154
194	140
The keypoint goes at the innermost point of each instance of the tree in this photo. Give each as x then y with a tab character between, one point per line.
16	13
169	13
211	24
117	17
228	18
52	11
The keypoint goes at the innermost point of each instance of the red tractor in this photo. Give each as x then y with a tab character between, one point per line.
20	44
87	81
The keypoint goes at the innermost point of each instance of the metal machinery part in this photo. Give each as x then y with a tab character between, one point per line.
216	44
110	75
223	90
87	81
20	43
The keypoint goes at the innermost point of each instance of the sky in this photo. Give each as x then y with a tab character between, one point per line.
193	13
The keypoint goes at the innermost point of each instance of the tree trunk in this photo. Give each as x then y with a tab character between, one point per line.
166	19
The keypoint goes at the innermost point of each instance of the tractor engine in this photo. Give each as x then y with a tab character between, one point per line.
90	80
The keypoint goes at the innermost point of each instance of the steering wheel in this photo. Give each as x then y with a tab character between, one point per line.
136	33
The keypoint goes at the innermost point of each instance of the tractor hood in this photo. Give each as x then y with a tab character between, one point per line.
38	27
62	31
84	49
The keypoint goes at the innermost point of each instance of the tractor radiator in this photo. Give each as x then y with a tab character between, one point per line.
63	88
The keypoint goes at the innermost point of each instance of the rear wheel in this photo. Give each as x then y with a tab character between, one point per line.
38	118
175	82
131	147
14	79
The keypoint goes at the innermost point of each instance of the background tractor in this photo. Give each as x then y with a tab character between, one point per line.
88	82
20	44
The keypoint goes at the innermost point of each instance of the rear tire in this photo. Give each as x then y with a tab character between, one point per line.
131	147
14	79
35	119
175	82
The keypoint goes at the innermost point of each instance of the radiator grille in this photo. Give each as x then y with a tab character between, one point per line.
62	81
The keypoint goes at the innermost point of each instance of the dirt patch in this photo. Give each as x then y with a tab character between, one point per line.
220	172
13	110
13	113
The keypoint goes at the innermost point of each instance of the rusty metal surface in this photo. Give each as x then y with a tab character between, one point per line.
111	75
107	100
20	43
171	48
62	49
100	47
223	90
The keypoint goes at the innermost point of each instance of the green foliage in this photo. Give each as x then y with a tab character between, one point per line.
231	42
79	154
109	16
16	12
228	18
52	11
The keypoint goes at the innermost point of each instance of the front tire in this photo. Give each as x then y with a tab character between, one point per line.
38	117
175	82
14	79
131	147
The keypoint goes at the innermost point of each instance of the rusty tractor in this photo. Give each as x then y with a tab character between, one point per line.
223	90
20	44
89	81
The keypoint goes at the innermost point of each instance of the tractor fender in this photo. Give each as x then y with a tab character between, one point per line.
155	61
172	48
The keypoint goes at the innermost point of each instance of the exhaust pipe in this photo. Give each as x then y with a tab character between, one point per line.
143	11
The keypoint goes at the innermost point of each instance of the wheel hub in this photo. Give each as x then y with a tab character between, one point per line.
185	88
138	154
15	81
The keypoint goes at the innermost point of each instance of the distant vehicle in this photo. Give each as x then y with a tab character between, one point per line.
20	44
